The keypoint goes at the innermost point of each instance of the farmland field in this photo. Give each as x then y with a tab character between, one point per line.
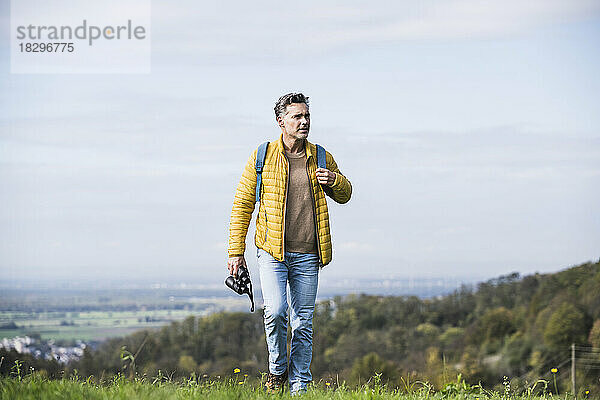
94	311
96	315
92	325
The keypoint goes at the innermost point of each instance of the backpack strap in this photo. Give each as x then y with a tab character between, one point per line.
261	153
321	157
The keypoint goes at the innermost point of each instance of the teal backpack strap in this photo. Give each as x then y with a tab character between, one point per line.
321	157
260	163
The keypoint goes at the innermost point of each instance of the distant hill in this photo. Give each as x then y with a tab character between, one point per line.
514	326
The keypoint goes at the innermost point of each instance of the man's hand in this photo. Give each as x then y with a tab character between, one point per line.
325	176
233	263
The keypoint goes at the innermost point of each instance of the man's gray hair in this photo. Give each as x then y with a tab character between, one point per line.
286	100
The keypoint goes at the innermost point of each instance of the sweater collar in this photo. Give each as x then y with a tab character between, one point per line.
308	147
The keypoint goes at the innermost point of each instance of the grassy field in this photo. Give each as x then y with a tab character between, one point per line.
92	325
35	386
100	325
81	313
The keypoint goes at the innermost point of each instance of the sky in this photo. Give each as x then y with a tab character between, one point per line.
470	131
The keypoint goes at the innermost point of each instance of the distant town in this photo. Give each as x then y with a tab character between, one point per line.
45	349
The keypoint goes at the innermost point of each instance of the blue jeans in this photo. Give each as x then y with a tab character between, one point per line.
301	272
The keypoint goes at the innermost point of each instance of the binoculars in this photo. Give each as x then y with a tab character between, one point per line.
242	284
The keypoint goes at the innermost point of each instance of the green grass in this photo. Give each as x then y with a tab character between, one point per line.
35	386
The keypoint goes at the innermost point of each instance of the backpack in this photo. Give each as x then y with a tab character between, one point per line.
260	162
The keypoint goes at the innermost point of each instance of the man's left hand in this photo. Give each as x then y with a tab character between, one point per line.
325	176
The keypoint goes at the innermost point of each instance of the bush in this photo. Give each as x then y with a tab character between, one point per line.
565	326
372	364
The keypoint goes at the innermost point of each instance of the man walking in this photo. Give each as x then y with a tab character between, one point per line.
292	235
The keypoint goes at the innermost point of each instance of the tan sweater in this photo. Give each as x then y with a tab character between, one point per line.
300	234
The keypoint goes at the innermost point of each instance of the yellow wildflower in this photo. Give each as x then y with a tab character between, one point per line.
587	392
328	383
240	383
554	370
236	371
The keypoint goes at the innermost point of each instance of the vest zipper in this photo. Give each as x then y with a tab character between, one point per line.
314	214
287	180
266	221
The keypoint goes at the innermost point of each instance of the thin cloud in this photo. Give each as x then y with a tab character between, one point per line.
357	247
220	31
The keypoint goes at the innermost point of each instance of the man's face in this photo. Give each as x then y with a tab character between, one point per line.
295	123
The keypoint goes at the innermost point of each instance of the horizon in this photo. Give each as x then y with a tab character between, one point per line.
199	283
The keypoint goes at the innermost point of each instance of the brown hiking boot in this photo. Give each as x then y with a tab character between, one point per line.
275	382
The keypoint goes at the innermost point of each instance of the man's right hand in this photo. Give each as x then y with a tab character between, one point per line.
233	263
